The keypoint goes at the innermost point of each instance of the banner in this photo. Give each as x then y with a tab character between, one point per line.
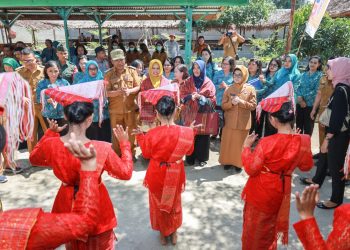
316	16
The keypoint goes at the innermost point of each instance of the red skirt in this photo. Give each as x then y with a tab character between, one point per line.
103	241
166	223
259	229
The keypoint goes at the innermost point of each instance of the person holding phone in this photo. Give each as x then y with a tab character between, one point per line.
230	41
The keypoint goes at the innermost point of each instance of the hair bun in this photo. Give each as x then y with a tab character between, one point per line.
285	114
77	112
166	106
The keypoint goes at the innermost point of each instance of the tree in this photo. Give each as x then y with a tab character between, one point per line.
253	13
285	4
331	39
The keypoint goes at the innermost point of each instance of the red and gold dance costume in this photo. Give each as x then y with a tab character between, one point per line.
165	146
268	189
31	228
50	151
339	239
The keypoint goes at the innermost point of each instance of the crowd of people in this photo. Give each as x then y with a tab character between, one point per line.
169	110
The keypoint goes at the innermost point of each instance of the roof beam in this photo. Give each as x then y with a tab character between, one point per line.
84	3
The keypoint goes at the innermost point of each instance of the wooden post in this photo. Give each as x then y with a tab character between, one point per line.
54	34
290	30
3	36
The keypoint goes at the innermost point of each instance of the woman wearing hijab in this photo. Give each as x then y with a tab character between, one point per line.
97	131
238	101
10	64
155	79
288	72
197	95
337	137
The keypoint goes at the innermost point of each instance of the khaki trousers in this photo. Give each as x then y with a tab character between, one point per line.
126	120
38	118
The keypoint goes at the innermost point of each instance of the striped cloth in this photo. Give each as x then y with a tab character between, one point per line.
16	103
86	92
274	102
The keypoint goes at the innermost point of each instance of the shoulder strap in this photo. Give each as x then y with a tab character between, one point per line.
346	94
234	48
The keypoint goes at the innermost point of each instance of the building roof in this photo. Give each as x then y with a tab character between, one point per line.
339	8
113	12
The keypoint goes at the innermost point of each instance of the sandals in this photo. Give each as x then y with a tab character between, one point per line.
174	238
162	239
305	181
202	163
323	206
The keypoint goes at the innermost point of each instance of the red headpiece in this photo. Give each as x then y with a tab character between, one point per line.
274	102
65	98
153	95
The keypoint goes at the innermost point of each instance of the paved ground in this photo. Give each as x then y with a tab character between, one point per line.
212	208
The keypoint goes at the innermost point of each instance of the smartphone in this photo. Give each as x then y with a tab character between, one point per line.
228	33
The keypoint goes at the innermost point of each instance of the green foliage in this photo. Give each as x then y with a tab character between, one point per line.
285	4
92	45
268	48
104	32
253	13
331	39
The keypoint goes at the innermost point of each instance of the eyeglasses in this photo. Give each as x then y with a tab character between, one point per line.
238	75
274	65
28	61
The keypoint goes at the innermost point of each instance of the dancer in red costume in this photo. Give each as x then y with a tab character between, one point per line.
165	146
31	228
308	231
50	152
270	167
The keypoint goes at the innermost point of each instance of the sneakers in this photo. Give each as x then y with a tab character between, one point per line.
3	179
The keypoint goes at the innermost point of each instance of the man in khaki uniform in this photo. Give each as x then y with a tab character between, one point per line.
33	73
123	85
230	41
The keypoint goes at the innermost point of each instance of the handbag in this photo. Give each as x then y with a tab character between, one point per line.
325	117
209	119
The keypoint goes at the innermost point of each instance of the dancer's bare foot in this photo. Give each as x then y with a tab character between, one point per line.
162	239
174	238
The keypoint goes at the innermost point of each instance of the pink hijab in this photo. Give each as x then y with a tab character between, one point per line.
340	68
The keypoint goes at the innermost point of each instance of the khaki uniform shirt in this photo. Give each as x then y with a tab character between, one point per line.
128	79
32	78
231	49
326	89
238	116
